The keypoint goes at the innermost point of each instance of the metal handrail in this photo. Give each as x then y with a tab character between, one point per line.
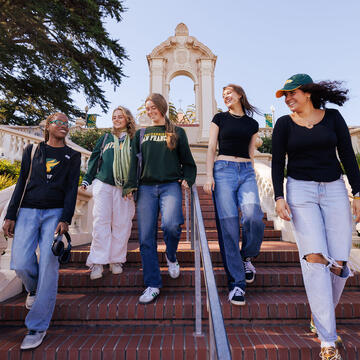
218	340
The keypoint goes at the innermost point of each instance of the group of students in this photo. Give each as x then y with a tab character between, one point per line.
316	199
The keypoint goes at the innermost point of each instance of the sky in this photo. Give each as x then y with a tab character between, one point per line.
258	43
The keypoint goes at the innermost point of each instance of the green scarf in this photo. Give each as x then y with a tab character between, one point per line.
121	162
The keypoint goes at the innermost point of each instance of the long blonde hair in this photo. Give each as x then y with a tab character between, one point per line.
162	106
130	121
47	123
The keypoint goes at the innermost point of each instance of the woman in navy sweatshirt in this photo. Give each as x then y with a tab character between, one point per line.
46	208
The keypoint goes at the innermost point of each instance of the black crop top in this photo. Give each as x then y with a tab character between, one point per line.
312	152
235	133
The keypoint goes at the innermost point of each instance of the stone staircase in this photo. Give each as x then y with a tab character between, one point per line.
102	319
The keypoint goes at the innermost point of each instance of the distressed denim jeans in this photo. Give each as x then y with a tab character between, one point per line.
166	198
323	225
236	188
36	227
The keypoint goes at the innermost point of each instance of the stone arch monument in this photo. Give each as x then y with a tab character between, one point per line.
185	55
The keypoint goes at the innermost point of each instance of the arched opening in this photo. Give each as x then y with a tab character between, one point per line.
182	100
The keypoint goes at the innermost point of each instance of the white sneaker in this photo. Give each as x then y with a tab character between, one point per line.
30	299
116	268
96	271
32	339
173	268
149	295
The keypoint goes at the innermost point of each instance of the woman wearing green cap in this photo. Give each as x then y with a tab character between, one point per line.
316	199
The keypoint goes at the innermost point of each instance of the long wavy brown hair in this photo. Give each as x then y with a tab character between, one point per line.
162	106
246	106
47	123
130	121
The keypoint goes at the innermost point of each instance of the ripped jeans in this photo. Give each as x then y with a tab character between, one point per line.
323	225
235	187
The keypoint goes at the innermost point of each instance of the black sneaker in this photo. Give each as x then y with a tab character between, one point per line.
236	296
250	271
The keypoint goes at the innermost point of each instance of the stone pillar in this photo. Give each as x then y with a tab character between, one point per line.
207	97
157	83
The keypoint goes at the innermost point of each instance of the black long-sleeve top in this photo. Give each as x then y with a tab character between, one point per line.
48	190
312	152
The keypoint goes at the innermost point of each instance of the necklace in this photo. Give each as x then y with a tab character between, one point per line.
309	124
236	116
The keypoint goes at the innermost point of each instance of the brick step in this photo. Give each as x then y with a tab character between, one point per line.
278	252
73	279
108	342
211	234
176	308
261	342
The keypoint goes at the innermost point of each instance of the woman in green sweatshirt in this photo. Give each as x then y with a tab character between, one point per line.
108	170
167	163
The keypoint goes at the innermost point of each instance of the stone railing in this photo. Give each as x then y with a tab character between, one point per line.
265	132
355	139
266	194
13	143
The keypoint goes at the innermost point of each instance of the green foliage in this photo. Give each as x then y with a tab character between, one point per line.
87	138
81	177
172	112
191	113
6	181
266	146
8	168
51	48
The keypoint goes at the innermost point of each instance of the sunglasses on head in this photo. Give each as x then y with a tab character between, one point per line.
59	123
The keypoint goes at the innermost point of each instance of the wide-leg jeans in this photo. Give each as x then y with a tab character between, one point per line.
36	227
236	187
323	225
166	198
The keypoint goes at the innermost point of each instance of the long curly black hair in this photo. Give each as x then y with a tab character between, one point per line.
326	91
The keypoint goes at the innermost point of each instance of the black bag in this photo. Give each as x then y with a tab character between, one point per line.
139	164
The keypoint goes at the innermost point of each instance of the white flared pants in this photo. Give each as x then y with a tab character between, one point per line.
112	224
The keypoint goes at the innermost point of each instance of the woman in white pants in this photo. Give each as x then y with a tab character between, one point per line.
108	170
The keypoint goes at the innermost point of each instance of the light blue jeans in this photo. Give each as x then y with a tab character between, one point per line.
166	198
236	187
323	225
36	227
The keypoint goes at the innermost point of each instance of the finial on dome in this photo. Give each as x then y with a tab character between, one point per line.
181	30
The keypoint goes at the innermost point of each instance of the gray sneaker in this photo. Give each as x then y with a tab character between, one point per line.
32	339
30	299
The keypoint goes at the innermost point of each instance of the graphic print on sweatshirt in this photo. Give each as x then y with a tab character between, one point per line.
155	136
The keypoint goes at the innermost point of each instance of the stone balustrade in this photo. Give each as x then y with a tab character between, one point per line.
13	143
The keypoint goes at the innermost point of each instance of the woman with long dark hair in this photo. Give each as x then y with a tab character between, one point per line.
231	180
46	208
316	199
108	171
167	163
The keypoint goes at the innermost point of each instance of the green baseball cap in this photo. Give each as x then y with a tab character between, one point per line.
293	83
